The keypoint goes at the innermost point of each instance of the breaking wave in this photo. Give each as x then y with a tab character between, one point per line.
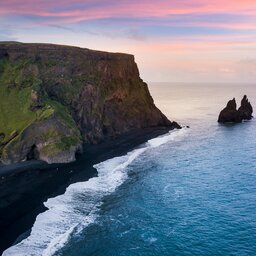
78	207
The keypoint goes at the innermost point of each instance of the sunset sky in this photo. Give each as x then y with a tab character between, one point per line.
172	40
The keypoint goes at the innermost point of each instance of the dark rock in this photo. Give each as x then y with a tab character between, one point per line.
38	142
231	115
245	111
175	125
231	105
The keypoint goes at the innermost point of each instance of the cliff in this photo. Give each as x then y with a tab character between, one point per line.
54	99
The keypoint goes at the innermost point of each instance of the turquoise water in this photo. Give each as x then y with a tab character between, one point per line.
190	192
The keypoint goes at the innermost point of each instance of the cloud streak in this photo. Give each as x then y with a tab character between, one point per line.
77	11
233	15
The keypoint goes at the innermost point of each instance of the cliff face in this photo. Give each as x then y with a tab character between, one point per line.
54	98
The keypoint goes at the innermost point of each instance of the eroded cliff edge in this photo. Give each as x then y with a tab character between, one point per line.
54	99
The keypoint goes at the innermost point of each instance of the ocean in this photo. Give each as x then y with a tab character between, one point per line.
189	192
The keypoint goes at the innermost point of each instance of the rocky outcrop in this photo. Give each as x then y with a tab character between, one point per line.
230	114
50	140
245	111
55	98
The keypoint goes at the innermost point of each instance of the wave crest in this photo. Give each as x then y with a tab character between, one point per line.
78	206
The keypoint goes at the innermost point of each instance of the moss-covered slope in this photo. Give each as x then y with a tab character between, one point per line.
53	98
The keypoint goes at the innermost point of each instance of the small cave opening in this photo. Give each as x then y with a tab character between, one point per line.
33	153
79	152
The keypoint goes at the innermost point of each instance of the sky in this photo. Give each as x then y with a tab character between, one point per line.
172	40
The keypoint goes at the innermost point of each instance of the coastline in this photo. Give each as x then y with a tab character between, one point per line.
26	186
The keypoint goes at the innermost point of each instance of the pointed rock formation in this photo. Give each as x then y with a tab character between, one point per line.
245	111
231	115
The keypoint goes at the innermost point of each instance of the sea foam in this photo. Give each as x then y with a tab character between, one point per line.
78	207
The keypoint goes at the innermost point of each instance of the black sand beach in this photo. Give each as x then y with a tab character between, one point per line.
24	187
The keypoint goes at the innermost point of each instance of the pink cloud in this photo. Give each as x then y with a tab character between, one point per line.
87	10
195	47
149	13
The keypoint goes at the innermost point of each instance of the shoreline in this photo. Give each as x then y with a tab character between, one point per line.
25	187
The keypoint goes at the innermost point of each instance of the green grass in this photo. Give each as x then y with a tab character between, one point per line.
44	113
10	73
14	110
65	143
16	114
3	63
62	112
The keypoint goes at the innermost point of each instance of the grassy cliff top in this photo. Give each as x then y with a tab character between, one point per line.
44	47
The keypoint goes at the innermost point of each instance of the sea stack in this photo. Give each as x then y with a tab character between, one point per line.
55	99
231	115
245	110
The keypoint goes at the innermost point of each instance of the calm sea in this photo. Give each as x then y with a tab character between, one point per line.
189	192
